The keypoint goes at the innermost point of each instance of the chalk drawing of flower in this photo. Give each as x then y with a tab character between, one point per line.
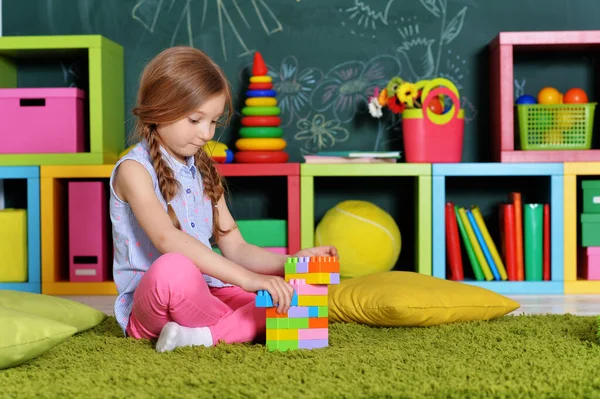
419	57
320	133
293	87
348	85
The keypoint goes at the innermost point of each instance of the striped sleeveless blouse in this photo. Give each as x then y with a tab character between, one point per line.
134	253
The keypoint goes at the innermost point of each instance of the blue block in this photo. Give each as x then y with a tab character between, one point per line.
261	93
313	311
264	299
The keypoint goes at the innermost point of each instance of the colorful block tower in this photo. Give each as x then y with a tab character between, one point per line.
261	135
306	325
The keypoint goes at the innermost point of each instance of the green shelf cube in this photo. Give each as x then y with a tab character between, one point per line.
106	92
591	196
590	230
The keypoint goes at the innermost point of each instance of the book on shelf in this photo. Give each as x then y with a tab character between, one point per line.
499	259
354	157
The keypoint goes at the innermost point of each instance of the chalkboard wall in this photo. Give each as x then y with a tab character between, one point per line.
326	56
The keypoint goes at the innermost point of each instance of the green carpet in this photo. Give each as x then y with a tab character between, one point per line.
515	356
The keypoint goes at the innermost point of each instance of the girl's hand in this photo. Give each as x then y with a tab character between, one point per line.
325	250
281	292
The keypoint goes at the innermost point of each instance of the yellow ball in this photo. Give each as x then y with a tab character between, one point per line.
367	238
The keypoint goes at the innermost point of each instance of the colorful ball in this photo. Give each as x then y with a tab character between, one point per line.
367	238
526	99
575	96
549	95
219	152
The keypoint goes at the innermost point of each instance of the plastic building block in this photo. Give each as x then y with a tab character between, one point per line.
263	299
315	278
313	343
313	300
276	334
312	333
302	288
318	322
281	345
298	312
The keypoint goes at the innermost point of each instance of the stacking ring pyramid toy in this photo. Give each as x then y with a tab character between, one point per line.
260	136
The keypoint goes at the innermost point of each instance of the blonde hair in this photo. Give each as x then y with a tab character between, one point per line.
174	84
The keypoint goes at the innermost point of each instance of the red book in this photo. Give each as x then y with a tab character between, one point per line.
507	233
546	258
518	212
453	244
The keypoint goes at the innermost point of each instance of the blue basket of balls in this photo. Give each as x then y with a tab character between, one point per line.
555	121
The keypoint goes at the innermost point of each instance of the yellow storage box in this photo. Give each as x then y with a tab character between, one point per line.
13	245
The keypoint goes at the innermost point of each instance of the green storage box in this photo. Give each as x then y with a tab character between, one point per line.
590	229
591	196
264	232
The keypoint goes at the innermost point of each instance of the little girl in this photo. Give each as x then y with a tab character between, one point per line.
167	201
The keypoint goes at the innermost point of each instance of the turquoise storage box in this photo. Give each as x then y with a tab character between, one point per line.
590	229
591	196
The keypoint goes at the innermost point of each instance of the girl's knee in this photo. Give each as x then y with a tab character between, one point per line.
173	264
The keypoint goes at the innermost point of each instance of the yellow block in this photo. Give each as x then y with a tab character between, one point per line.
282	334
312	300
260	79
311	278
261	102
260	144
13	245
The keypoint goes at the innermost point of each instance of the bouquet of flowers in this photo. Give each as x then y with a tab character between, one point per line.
399	95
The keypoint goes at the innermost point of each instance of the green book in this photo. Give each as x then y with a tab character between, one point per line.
470	252
533	231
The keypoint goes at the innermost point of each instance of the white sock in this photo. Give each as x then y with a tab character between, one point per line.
173	336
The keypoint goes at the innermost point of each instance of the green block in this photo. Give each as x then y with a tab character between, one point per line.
290	268
323	311
590	230
277	323
105	96
591	196
298	322
282	345
264	232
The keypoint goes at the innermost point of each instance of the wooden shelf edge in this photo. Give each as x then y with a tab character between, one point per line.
582	287
71	288
76	171
24	286
550	156
520	287
548	38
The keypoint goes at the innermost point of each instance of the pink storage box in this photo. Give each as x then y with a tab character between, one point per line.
44	120
590	259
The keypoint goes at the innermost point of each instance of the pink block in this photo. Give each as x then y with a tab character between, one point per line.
36	121
591	263
313	333
88	244
277	250
301	288
313	343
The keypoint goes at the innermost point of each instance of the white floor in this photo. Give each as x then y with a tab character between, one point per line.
583	305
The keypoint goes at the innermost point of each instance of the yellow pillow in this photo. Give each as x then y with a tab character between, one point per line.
396	298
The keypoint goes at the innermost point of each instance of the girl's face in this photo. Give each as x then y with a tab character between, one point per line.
185	137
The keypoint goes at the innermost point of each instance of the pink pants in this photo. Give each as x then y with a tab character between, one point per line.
174	289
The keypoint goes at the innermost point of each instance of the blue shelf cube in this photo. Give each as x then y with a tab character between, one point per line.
32	176
542	181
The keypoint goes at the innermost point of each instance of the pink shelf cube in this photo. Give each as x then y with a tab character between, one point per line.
502	91
88	243
44	120
590	260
